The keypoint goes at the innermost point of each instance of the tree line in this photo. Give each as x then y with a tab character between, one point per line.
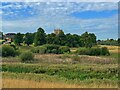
40	37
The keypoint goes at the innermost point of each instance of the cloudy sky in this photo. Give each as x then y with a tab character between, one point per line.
72	17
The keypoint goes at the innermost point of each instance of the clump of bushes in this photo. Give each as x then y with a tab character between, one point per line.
105	51
83	51
51	48
94	51
27	57
64	49
39	49
12	45
8	50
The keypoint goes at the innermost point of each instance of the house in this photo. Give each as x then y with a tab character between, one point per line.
8	37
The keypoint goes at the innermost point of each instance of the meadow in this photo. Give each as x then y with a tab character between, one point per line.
62	71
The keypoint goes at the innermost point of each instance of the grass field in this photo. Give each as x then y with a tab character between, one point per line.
62	71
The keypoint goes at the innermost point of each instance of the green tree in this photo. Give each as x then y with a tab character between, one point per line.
40	37
18	39
50	38
88	39
60	39
28	38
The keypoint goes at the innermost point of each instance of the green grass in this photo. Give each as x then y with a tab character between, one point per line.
80	69
70	72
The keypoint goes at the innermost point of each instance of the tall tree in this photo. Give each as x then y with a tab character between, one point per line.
50	38
28	38
40	37
88	39
18	39
60	39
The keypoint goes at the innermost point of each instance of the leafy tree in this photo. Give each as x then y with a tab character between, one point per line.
18	39
50	38
88	39
40	37
28	38
60	38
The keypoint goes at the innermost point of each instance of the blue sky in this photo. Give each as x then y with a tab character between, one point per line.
73	17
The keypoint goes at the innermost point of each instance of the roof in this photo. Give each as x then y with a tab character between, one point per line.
10	34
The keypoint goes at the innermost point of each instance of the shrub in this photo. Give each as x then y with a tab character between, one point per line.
105	51
52	48
39	49
42	49
64	49
54	51
12	45
26	57
95	51
83	51
7	50
35	50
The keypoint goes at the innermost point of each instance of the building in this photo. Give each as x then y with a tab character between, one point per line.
8	37
57	31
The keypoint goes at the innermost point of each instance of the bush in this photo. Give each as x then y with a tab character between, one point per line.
52	48
64	49
27	57
105	51
35	50
12	45
83	51
8	51
39	49
95	51
42	49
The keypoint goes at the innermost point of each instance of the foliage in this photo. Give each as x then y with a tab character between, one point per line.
52	48
18	39
14	46
39	49
26	57
83	51
73	40
40	37
70	72
64	49
94	51
108	42
105	51
28	38
88	39
7	51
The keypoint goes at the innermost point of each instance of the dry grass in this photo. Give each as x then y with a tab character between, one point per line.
17	83
67	59
112	49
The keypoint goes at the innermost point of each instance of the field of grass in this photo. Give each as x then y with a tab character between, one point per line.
62	71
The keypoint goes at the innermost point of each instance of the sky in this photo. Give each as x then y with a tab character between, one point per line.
100	18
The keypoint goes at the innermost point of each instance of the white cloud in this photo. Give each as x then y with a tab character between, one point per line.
56	15
60	0
62	8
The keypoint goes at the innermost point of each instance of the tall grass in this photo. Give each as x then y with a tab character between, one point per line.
57	82
20	83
